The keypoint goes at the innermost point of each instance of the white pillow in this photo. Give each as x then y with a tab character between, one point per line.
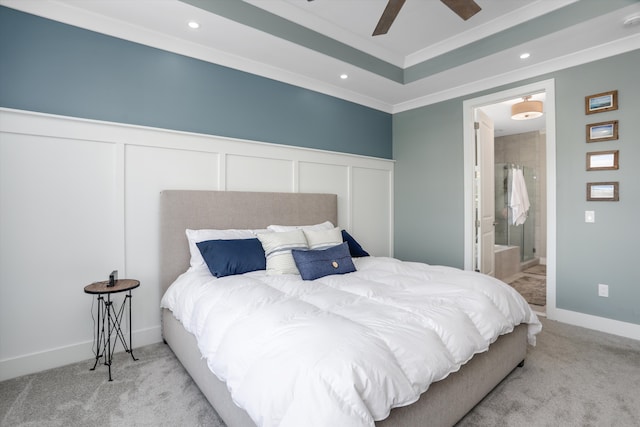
277	249
327	225
323	239
195	236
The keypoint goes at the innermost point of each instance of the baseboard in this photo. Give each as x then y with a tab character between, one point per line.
602	324
53	358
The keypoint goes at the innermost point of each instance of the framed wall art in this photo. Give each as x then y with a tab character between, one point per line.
603	131
599	102
602	191
602	160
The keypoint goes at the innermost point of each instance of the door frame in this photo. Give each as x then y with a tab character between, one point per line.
469	106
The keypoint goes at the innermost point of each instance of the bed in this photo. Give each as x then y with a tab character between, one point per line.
445	401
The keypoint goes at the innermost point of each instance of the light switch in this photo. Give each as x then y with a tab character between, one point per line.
589	216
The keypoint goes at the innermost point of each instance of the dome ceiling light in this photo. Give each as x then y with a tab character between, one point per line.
526	109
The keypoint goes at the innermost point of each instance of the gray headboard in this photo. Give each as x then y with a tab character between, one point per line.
182	209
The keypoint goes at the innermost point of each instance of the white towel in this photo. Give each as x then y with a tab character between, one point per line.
519	202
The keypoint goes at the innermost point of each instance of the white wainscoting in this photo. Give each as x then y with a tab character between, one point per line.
80	198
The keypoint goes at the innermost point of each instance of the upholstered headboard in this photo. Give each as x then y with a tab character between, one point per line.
182	209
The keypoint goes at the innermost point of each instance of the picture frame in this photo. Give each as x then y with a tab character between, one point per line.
603	191
600	102
602	131
602	160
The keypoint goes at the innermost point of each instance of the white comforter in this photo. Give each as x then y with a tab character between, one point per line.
342	350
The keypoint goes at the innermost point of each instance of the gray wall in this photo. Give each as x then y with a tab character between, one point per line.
55	68
428	147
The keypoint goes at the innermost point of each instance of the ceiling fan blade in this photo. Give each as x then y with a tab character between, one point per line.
388	16
465	9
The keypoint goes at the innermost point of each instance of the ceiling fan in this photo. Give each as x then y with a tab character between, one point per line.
465	9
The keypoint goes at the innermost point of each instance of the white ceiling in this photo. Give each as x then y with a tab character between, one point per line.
422	29
429	54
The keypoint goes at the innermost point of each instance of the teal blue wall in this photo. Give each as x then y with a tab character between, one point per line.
49	67
428	147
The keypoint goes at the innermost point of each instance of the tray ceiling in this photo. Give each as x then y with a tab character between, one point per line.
429	55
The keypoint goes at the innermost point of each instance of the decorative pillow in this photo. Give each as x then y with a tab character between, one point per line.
277	248
354	247
323	239
229	257
314	264
327	225
195	236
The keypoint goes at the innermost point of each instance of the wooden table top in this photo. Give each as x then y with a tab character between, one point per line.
121	285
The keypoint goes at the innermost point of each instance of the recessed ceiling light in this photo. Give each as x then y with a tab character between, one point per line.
193	24
525	55
344	76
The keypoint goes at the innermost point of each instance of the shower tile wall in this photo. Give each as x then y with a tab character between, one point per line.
528	149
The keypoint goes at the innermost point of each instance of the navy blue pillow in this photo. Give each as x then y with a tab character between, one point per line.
236	256
314	264
355	249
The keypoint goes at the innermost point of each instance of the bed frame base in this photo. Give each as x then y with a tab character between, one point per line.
442	405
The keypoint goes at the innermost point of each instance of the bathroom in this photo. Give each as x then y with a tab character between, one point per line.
522	245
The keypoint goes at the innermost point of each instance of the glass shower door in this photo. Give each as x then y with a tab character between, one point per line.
507	233
528	250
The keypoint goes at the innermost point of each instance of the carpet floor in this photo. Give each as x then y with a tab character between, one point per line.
153	391
573	377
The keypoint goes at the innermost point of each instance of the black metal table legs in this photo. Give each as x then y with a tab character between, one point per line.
109	323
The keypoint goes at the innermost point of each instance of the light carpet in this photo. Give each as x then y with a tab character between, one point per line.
153	391
573	377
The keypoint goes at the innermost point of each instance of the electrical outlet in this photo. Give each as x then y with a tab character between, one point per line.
603	290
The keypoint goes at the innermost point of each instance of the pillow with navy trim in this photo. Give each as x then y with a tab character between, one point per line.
277	248
314	264
235	256
355	249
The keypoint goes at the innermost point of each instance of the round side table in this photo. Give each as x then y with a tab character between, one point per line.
110	319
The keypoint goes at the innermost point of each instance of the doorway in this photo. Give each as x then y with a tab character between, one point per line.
471	180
